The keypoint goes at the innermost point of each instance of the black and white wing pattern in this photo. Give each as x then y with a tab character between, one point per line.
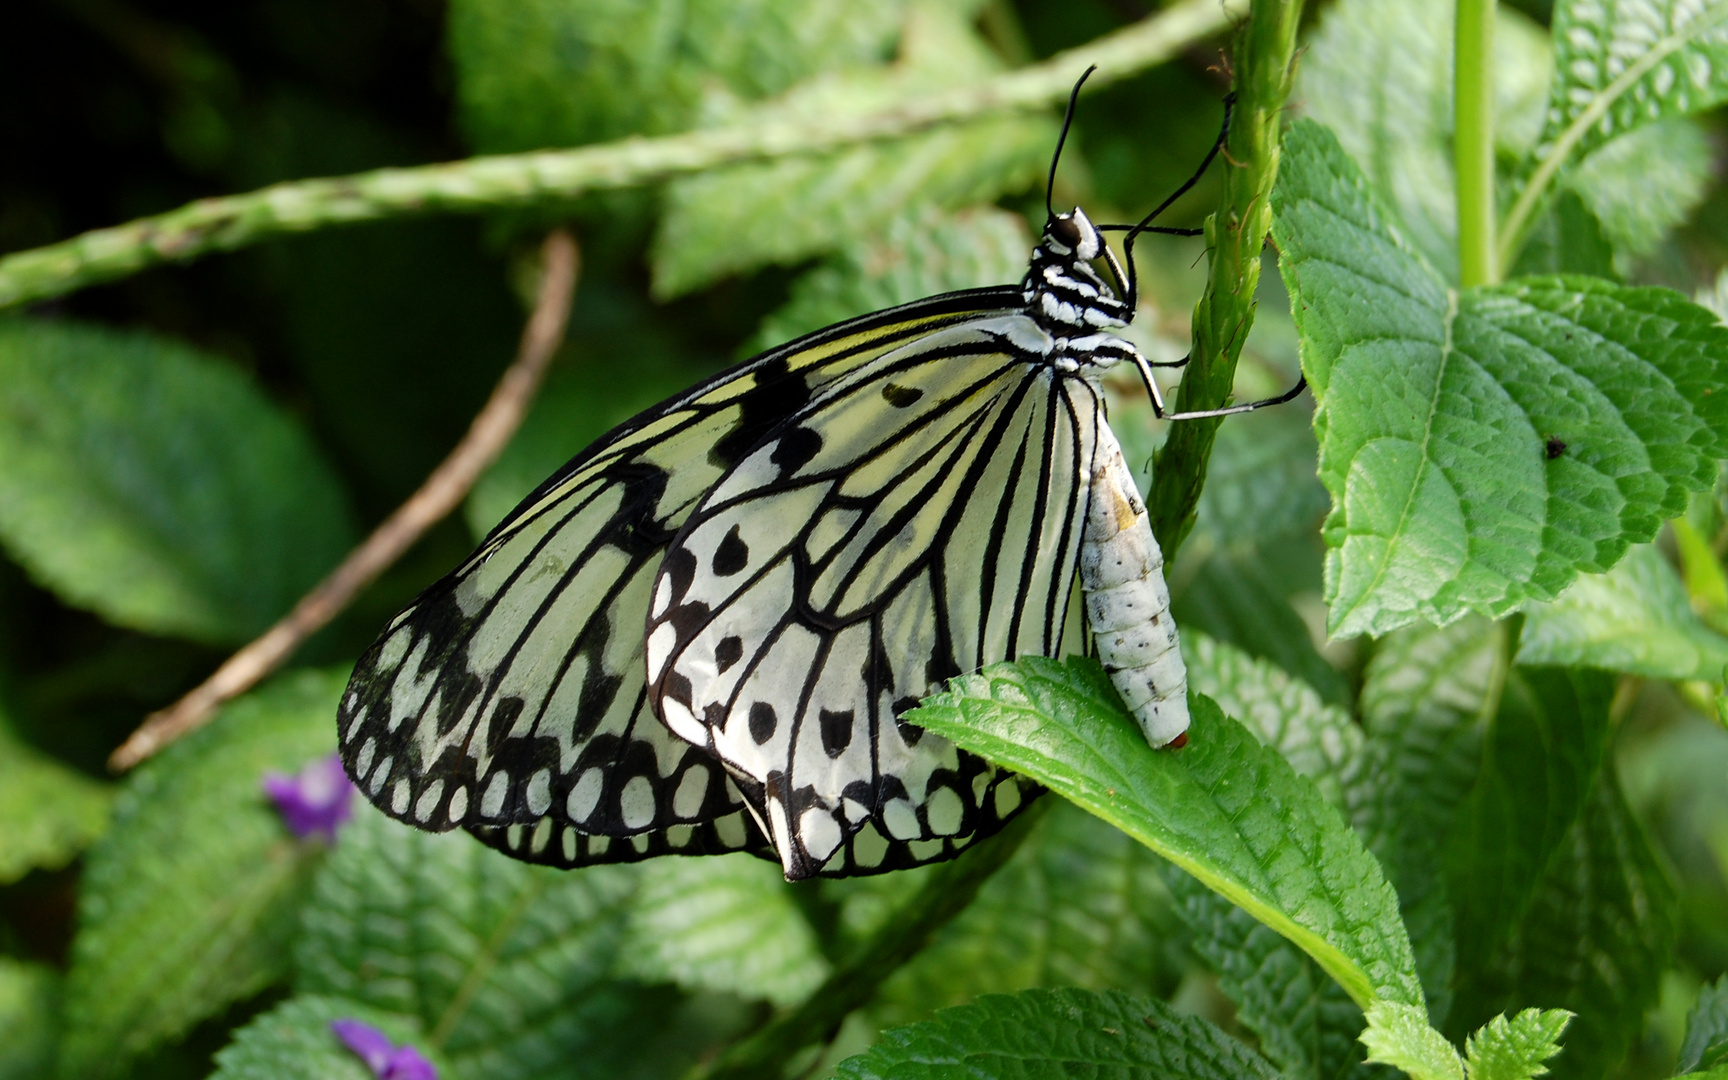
510	697
920	517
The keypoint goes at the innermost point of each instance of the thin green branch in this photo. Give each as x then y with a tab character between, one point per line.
488	183
1518	220
1473	141
946	892
1236	233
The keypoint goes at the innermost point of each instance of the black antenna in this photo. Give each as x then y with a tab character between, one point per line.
1067	122
1144	225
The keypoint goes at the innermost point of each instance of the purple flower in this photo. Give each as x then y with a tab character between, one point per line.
314	801
387	1062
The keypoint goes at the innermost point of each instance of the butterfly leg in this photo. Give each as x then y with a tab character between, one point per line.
1164	413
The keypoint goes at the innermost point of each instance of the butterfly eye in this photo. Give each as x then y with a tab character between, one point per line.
1064	230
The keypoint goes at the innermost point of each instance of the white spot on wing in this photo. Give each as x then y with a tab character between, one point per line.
585	796
820	833
687	802
492	802
539	791
636	803
459	803
428	800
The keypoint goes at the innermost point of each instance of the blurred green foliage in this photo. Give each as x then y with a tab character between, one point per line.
184	452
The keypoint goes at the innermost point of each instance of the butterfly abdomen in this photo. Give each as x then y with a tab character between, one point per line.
1127	603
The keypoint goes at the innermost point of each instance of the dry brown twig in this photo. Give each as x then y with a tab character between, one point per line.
440	494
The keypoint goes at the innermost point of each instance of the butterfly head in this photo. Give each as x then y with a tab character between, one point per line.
1063	291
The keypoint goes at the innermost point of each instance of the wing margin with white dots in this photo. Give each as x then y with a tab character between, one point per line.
852	561
509	697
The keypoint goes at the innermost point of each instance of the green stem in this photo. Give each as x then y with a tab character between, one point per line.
1236	233
1473	141
946	892
488	183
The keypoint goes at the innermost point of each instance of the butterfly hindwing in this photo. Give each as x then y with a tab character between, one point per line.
920	517
510	698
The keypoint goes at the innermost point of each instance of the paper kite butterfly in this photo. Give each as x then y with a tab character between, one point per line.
702	633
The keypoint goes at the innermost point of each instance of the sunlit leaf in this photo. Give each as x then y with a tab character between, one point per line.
1399	1034
1440	413
1514	1048
1226	809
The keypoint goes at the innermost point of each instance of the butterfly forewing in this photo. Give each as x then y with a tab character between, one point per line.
510	698
918	518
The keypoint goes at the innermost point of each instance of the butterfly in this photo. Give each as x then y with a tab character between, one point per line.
703	633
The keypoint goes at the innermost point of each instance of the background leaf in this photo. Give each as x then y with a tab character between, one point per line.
49	813
1444	500
29	1019
1596	938
1635	204
1058	1033
1424	694
564	72
920	253
1227	809
1081	904
294	1041
1379	74
1540	763
506	969
729	220
1643	59
1706	1029
189	899
729	923
155	486
1636	618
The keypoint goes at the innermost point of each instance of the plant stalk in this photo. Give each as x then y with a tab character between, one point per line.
488	183
1473	141
1236	234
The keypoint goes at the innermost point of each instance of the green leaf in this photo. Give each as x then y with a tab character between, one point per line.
1625	63
29	1019
727	221
1515	1048
505	967
1306	1023
1596	939
1540	763
1398	1034
1436	411
1379	74
1567	239
1080	905
1227	809
48	812
727	923
1706	1042
921	253
1636	618
155	486
1423	697
541	73
1320	741
1058	1033
293	1041
189	900
1635	204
